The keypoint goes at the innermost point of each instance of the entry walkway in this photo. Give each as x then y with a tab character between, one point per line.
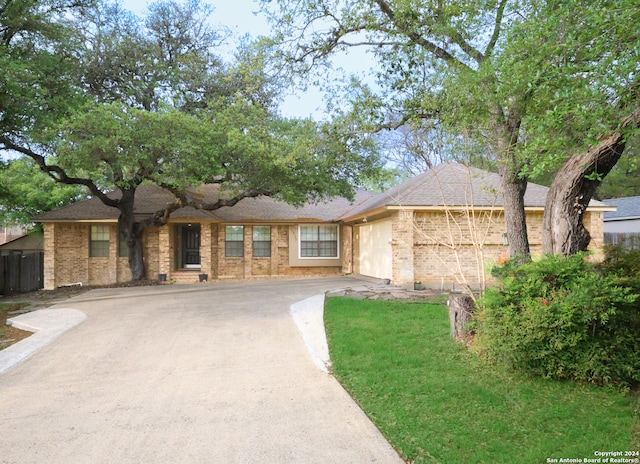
212	373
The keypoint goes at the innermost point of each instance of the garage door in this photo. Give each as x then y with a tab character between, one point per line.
375	249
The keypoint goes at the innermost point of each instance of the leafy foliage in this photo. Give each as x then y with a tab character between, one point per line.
149	100
564	318
37	62
531	83
26	191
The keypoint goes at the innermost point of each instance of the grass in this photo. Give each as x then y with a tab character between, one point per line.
438	403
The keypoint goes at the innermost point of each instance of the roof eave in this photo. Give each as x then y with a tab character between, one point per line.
622	218
77	220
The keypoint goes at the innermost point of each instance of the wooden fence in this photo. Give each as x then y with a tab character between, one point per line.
21	273
626	239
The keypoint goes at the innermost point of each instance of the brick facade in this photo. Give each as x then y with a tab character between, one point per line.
454	248
425	242
67	258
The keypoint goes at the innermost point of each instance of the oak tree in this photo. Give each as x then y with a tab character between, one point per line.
154	103
533	82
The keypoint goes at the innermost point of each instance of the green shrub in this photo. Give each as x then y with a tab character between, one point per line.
564	318
623	262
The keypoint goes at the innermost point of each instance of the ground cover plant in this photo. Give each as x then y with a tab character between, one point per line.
436	401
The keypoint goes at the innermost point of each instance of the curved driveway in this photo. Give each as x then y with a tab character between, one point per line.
211	373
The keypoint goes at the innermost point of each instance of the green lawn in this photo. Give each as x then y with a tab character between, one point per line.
437	402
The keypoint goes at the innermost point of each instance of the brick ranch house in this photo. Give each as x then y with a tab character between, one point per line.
443	227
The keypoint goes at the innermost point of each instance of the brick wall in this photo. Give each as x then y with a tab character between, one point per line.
66	254
456	247
347	249
402	233
593	221
151	240
217	265
427	246
67	258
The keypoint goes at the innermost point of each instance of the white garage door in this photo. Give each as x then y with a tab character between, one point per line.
375	249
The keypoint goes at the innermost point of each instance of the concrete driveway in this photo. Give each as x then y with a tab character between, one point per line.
184	374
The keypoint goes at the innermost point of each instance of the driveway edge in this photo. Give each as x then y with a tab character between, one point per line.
47	325
308	315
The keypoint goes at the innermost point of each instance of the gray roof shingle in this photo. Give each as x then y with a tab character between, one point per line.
628	208
453	184
448	184
150	198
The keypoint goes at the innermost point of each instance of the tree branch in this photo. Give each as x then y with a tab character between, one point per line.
183	199
467	48
57	173
496	29
416	38
222	202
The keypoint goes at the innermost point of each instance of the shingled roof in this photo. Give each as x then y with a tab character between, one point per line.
151	198
628	208
452	185
448	184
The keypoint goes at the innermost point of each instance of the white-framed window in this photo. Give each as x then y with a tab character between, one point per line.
234	241
262	241
99	242
319	241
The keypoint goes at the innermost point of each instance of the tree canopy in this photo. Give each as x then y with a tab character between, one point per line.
533	82
26	192
148	100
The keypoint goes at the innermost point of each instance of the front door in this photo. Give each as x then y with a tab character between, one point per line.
190	246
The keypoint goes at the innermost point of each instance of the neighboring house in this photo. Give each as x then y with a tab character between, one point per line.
9	233
626	218
27	244
444	226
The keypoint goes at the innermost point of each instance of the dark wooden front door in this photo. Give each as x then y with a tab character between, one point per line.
191	246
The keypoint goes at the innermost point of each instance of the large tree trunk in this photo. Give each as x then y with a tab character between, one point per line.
506	130
132	232
563	231
513	189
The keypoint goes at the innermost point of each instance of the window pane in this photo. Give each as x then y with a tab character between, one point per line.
262	241
99	249
308	233
262	249
309	249
234	233
99	242
100	233
234	241
328	233
261	233
234	249
319	241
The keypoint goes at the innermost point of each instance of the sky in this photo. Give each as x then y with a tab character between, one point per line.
242	17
